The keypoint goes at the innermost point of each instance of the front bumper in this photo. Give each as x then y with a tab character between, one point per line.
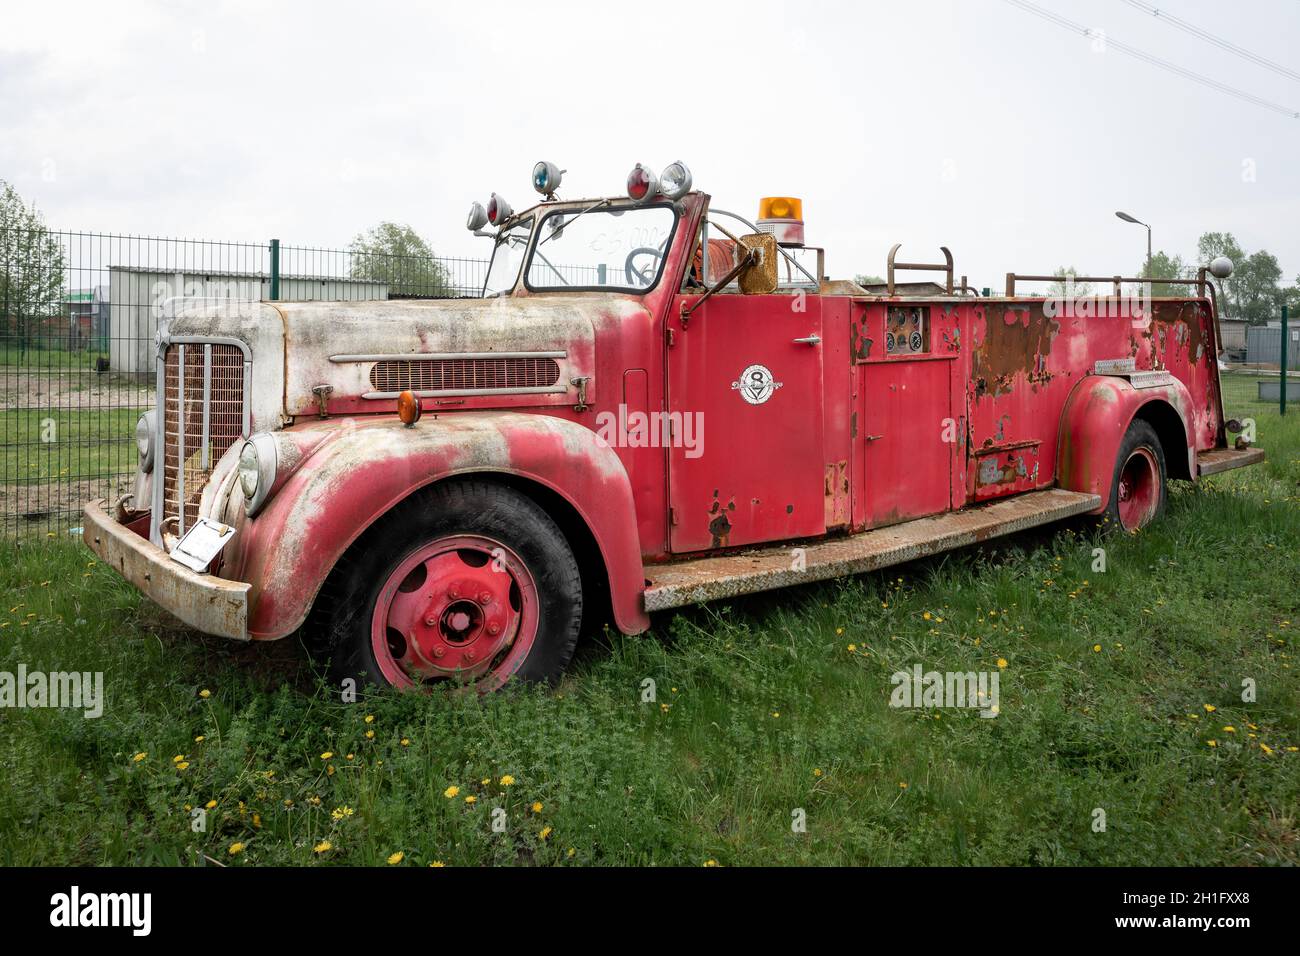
209	604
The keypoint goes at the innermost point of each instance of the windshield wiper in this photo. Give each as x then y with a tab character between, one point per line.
597	205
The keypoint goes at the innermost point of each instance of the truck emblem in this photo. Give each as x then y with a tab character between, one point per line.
756	384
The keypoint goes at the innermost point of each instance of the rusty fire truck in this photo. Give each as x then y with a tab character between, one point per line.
653	403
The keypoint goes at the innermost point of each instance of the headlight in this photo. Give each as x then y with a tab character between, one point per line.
144	432
257	464
675	181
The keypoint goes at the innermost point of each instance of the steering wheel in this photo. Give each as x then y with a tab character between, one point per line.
645	275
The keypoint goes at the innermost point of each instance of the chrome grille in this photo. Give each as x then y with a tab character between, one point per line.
203	414
436	375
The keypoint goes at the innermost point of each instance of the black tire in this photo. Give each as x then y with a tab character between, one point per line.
341	620
1139	437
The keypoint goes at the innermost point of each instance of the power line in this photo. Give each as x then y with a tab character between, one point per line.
1209	37
1145	57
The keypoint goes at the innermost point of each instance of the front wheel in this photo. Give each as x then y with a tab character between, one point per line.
468	582
1138	487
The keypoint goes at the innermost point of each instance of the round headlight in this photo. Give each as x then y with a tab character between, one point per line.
675	181
144	432
257	468
249	474
498	210
546	178
477	218
641	183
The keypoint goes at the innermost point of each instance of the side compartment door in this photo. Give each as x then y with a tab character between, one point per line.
745	380
909	432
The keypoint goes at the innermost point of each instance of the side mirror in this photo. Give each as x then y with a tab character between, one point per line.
759	276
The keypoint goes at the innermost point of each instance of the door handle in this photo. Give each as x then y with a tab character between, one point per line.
873	437
809	340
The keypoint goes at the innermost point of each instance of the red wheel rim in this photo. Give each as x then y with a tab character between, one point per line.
462	607
1139	489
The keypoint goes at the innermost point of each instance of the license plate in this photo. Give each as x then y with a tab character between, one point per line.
202	543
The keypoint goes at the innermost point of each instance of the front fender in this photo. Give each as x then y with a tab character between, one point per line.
1096	416
361	468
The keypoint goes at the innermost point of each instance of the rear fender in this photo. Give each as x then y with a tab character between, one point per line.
360	469
1096	416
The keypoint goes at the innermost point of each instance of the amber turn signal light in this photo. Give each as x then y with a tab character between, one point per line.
408	409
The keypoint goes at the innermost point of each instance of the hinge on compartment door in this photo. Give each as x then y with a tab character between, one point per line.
672	516
581	385
670	336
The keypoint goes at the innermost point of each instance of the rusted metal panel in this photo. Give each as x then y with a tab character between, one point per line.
1226	459
211	604
708	579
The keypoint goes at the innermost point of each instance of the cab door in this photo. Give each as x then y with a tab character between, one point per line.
745	381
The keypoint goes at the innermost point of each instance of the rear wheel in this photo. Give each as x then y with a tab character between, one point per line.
1138	488
469	582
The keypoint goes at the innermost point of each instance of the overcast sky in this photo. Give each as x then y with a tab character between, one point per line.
966	123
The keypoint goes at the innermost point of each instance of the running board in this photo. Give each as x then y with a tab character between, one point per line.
1225	459
708	579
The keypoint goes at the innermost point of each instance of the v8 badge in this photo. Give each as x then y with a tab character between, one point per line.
756	384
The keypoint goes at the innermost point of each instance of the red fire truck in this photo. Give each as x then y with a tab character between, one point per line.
653	403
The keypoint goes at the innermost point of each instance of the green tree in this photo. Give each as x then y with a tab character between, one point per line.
865	279
1252	293
396	254
1166	266
32	269
1066	284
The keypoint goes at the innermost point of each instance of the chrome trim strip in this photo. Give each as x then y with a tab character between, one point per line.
472	392
207	403
444	356
180	440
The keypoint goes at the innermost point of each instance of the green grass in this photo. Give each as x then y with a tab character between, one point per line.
1103	705
41	356
64	444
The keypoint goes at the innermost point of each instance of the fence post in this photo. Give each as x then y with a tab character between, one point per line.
275	270
1283	363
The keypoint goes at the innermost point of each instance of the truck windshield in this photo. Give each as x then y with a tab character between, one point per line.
615	249
507	257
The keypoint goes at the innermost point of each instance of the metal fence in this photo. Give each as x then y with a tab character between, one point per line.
78	315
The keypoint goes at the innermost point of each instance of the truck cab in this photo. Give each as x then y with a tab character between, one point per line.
652	403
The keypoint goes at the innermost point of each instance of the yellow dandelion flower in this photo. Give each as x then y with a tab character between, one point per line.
710	862
853	648
327	755
902	785
183	765
406	741
1266	748
1002	663
570	853
396	858
451	791
776	714
537	806
140	756
471	799
370	735
210	805
1096	648
546	831
507	780
205	693
200	738
817	771
437	863
1210	708
324	846
1230	729
236	848
839	630
1212	743
926	616
370	718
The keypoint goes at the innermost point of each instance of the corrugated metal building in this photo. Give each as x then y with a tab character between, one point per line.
136	296
1264	344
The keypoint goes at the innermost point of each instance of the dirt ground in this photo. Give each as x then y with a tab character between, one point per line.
65	389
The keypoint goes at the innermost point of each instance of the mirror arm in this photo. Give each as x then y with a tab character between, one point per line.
749	259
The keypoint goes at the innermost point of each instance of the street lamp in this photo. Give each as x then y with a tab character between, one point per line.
1127	218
